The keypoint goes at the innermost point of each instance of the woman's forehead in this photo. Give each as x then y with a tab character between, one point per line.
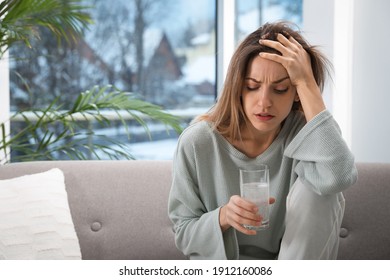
264	70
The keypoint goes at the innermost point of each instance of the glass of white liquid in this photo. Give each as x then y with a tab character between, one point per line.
254	186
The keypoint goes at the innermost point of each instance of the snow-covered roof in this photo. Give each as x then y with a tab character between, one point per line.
202	69
202	39
152	38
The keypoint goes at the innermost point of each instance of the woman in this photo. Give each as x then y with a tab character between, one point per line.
270	112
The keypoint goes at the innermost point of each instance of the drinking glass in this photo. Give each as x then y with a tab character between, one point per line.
254	187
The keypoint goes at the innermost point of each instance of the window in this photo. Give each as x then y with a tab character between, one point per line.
251	14
162	50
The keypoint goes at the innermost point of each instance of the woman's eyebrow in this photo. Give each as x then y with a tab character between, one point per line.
281	80
253	79
274	82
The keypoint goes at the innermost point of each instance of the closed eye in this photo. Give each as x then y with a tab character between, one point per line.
281	91
251	88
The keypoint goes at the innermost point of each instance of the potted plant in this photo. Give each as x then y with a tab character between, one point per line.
49	132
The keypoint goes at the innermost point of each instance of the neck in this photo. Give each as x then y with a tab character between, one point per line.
253	143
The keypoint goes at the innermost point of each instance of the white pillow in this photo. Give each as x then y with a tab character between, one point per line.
35	220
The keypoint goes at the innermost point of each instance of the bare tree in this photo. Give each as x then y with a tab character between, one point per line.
124	25
146	11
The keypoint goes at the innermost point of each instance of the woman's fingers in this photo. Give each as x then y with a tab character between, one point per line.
289	43
244	230
274	57
292	40
283	45
239	212
294	57
274	45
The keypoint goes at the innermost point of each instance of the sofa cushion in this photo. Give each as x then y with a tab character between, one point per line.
35	220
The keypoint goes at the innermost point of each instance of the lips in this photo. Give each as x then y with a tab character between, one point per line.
264	116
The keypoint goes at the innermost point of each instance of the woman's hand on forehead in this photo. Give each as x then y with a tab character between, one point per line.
294	58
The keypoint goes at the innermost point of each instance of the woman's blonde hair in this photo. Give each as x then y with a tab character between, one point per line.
227	115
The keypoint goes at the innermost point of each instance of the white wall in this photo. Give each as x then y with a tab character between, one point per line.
355	34
370	121
326	24
318	30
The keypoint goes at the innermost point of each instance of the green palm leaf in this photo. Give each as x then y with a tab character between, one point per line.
49	132
20	19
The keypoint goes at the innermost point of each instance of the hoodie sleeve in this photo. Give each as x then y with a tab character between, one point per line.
197	231
325	162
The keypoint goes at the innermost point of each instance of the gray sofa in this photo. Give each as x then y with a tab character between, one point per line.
119	208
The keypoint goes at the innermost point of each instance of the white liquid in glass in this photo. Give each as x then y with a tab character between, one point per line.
258	193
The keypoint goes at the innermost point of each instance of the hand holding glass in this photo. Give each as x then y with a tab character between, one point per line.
254	186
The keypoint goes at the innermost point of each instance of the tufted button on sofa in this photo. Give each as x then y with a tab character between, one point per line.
343	233
119	208
96	226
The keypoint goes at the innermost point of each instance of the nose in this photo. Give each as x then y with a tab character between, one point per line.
264	98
